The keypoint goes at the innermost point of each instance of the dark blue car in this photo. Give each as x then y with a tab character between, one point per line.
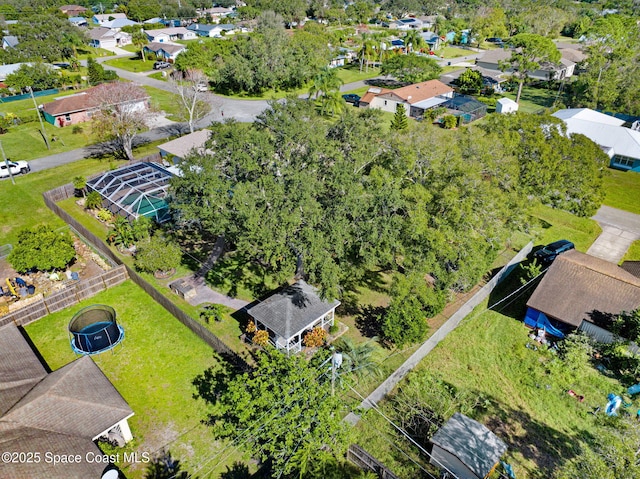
550	252
352	98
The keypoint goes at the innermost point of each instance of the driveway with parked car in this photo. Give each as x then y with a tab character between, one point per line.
8	168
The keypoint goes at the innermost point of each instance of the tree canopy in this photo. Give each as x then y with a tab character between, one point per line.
411	68
43	249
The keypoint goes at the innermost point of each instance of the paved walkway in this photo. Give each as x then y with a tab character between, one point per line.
619	230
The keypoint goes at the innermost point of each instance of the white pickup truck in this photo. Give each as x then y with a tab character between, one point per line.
15	167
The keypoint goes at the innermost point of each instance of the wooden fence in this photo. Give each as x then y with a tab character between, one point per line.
366	461
66	191
73	293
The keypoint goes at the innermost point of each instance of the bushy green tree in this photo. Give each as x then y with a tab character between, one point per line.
37	76
405	322
470	81
283	410
411	68
42	248
157	255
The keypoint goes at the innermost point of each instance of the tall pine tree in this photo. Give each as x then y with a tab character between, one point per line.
400	121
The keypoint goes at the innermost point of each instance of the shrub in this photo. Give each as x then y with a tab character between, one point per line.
104	215
251	327
213	312
93	200
334	329
449	122
576	351
261	338
43	249
77	129
404	322
157	254
315	338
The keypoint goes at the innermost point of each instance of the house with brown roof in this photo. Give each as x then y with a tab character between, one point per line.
416	98
78	108
582	292
176	150
73	10
55	413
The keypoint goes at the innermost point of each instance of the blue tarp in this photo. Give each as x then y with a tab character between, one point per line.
536	319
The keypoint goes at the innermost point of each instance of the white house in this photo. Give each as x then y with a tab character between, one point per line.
163	35
106	38
506	105
165	51
404	24
416	98
205	30
620	143
101	19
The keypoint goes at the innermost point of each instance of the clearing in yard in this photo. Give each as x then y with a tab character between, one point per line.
623	190
131	64
153	369
533	99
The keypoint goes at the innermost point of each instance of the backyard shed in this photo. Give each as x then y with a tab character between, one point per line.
288	314
506	105
466	448
135	190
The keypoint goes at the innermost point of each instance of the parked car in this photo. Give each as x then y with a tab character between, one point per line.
202	87
15	167
550	252
159	65
352	98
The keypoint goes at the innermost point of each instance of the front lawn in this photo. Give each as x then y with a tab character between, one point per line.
351	73
533	99
454	52
622	190
153	369
163	100
131	64
633	253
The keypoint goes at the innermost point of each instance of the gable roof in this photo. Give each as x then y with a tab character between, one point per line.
20	369
578	285
60	413
182	146
412	93
100	33
588	114
10	41
292	309
471	442
104	17
170	48
506	101
119	23
86	100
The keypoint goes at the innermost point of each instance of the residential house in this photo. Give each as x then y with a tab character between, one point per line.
174	151
292	312
416	98
582	292
78	108
101	19
73	10
118	23
9	41
165	51
153	20
404	24
205	30
163	35
565	68
59	413
620	143
216	13
78	21
106	38
466	448
432	40
506	105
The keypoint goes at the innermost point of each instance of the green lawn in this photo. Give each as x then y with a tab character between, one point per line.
158	76
163	100
153	369
534	99
87	51
132	64
633	254
623	190
453	52
555	224
522	393
352	73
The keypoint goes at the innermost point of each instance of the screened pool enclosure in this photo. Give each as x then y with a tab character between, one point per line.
135	190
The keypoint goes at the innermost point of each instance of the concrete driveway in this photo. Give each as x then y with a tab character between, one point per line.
619	229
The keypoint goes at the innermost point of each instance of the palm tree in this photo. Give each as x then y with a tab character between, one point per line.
139	39
358	358
413	40
366	50
325	81
332	103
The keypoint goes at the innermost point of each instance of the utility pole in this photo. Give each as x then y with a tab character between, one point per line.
336	362
6	162
44	133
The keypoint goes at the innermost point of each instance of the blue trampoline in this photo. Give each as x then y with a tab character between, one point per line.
94	330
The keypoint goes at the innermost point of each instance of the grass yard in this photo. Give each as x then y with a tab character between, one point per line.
86	51
158	76
352	73
22	205
454	52
633	254
153	369
556	224
131	64
533	99
622	190
522	394
163	100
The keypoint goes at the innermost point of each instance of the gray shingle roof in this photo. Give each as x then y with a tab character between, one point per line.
20	369
577	285
471	442
292	309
